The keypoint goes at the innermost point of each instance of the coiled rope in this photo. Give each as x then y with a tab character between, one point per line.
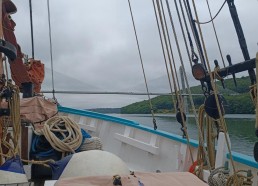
201	157
12	148
218	177
63	134
239	179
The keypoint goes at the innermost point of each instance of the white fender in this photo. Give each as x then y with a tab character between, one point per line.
94	163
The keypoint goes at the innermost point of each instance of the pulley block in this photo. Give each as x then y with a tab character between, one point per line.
4	112
198	71
179	117
211	108
8	49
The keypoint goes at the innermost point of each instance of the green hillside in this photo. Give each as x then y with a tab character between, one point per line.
236	100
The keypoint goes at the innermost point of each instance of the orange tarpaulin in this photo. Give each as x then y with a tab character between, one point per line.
36	72
21	73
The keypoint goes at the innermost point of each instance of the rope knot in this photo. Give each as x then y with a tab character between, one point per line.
218	177
117	180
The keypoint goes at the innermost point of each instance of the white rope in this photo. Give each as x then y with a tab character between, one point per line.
93	143
67	128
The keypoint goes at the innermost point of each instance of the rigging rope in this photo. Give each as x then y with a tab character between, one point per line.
164	56
212	18
177	92
172	55
197	120
182	29
215	32
51	50
194	31
221	118
145	79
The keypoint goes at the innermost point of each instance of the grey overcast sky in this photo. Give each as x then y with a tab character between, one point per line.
94	47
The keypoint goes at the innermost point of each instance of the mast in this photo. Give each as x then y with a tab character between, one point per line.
241	37
195	32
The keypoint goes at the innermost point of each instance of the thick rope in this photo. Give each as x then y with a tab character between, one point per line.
8	141
203	154
15	116
238	179
70	131
37	162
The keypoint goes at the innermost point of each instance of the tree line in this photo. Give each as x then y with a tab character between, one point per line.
236	100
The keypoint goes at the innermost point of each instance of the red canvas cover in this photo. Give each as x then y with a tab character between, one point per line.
37	109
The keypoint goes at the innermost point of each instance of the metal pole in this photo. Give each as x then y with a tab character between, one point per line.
183	89
31	30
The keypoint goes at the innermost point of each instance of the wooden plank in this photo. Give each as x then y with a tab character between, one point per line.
24	143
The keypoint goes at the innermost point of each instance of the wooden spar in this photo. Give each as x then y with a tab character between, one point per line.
239	67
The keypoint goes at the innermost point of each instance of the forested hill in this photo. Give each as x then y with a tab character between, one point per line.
236	100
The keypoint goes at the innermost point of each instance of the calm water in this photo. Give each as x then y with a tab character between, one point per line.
240	127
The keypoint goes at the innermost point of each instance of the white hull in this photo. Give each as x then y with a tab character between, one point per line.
144	149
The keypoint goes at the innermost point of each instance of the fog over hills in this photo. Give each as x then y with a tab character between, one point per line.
161	84
64	82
